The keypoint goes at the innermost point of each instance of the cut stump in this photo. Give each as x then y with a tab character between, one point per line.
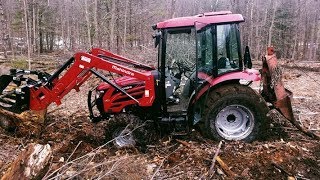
30	163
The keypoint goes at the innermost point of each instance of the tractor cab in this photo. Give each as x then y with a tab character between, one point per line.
193	52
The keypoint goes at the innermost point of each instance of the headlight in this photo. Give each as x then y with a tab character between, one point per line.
244	82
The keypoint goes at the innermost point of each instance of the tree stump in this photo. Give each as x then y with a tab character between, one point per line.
28	123
31	163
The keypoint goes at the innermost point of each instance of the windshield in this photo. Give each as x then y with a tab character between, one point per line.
180	51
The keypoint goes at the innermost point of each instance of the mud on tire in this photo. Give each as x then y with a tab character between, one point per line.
234	112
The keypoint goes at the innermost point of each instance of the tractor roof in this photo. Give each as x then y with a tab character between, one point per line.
207	18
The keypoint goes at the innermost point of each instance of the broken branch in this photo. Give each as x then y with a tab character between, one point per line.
211	170
225	168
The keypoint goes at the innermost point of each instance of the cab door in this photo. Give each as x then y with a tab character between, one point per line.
218	53
205	65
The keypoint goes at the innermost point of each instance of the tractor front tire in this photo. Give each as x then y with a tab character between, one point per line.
234	112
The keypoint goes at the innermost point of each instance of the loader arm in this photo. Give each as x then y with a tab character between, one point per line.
108	55
81	68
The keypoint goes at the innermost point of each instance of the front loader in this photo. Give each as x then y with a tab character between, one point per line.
201	80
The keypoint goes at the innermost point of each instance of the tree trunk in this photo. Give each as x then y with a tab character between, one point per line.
315	37
125	25
96	25
130	23
47	41
39	29
112	23
311	42
272	22
172	10
251	24
10	40
317	42
118	29
62	7
3	29
88	24
40	34
34	26
51	41
27	32
295	56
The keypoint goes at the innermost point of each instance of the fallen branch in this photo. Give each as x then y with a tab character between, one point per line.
162	162
185	143
211	170
74	150
213	161
225	168
281	169
88	158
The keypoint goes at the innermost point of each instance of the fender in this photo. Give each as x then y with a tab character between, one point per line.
210	81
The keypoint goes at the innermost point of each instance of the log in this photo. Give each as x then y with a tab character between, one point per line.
31	163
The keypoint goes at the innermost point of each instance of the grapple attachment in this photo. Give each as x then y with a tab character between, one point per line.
14	102
275	92
273	87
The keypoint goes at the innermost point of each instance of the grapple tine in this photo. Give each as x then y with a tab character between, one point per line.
4	82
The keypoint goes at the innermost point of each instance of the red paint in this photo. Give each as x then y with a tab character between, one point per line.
249	75
78	73
121	81
206	18
98	51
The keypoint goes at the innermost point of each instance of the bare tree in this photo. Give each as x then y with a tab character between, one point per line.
27	32
272	22
88	24
3	29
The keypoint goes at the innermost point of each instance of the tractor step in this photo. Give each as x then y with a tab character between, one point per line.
176	123
175	116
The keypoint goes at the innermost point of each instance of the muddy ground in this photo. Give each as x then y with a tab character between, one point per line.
81	150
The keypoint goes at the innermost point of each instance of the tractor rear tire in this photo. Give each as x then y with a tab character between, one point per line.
234	112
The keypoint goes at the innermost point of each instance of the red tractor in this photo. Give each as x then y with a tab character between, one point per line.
202	80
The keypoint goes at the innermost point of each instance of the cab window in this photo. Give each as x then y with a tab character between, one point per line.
227	48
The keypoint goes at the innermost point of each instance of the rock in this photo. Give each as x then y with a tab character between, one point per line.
150	168
30	163
220	172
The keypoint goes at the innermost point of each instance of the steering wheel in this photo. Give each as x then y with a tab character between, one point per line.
178	68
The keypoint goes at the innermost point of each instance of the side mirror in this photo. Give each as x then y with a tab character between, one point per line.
157	38
247	58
